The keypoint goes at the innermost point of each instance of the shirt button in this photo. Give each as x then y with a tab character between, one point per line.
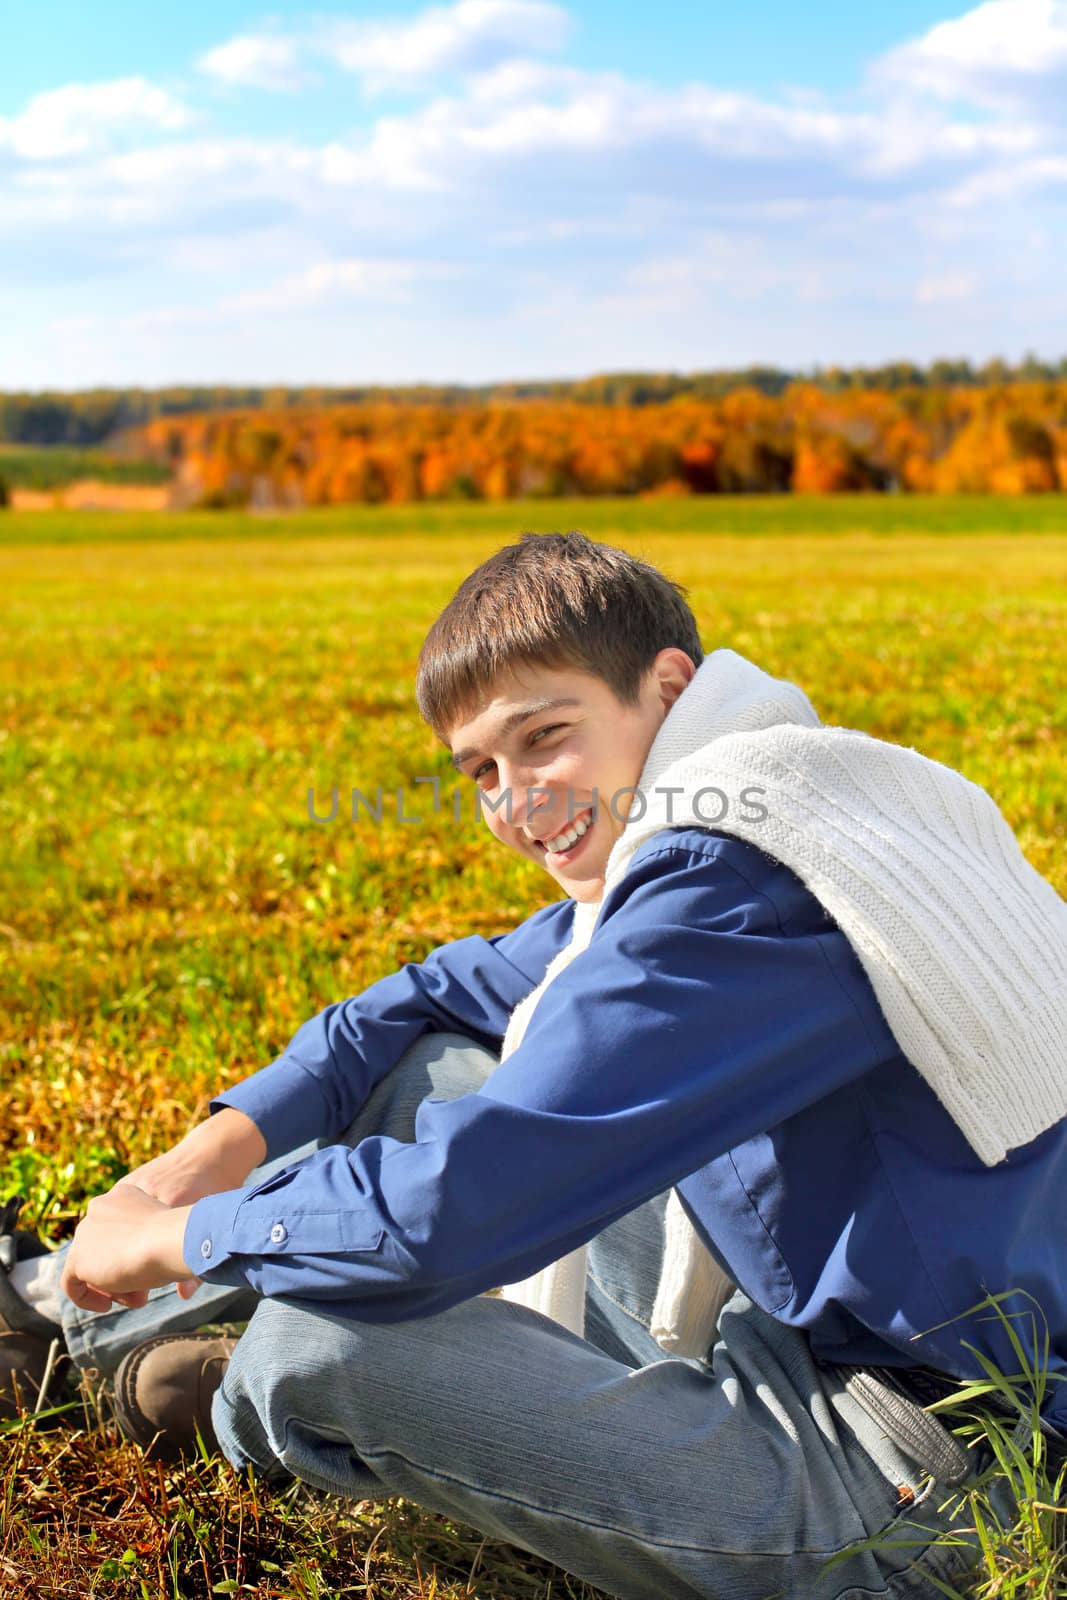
205	1248
278	1235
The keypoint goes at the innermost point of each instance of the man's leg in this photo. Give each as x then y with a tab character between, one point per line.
741	1476
441	1064
648	1476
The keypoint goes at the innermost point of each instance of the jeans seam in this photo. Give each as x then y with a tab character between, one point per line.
610	1298
435	1476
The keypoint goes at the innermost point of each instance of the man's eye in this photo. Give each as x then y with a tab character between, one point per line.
485	764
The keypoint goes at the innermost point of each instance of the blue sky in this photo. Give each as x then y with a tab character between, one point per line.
487	189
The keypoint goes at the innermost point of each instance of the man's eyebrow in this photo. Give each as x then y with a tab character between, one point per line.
536	708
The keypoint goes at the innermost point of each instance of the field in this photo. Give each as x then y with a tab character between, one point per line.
172	687
54	467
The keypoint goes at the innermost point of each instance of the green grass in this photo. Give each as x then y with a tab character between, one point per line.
1017	1506
622	518
171	687
54	467
1010	1519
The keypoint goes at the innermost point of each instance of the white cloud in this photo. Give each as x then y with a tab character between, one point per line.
519	78
994	55
328	282
322	286
81	117
471	36
697	140
519	142
559	200
1016	181
936	290
515	142
260	61
178	185
740	264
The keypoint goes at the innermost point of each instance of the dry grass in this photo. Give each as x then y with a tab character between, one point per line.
83	1513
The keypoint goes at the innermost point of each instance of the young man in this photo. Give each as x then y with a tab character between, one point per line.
798	1026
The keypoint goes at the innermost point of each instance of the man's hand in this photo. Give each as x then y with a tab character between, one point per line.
123	1232
127	1243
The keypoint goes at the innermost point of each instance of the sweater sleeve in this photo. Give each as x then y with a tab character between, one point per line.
697	1016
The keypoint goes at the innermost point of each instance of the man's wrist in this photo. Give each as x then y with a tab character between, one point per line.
170	1242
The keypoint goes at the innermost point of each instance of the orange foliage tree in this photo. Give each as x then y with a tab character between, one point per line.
1008	438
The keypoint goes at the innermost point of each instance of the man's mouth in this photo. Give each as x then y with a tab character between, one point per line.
567	842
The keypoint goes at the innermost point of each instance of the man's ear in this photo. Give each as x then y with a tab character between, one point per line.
674	672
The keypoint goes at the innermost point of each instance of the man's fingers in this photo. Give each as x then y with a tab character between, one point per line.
188	1287
133	1301
90	1298
84	1295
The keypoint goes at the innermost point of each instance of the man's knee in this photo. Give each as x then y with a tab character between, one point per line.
293	1400
441	1066
283	1343
453	1064
283	1359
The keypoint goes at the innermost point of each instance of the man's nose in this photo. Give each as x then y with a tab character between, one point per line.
528	798
538	799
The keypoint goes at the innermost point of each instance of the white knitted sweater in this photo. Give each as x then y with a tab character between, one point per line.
964	943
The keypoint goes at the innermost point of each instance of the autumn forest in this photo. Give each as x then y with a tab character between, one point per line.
1003	440
761	432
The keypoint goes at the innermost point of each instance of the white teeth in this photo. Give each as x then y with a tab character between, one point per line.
571	835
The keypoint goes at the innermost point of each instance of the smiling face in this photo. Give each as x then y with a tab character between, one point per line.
557	756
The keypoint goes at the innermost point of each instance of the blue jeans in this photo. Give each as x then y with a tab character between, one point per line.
651	1477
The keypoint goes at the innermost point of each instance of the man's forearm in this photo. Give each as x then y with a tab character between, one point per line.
233	1138
215	1155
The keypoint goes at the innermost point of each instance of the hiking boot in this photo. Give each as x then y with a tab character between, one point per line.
26	1338
23	1364
164	1388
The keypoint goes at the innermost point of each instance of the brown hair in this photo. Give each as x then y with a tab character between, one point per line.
552	600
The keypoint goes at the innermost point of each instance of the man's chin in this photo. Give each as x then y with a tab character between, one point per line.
589	886
583	889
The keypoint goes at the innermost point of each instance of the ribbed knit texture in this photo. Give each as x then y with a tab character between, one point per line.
964	943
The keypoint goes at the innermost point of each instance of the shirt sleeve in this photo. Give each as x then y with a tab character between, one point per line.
315	1088
697	1017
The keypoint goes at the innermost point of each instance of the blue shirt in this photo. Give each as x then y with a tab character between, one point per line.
718	1034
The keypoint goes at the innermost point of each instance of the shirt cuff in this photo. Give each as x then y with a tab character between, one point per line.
208	1233
286	1103
229	1231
